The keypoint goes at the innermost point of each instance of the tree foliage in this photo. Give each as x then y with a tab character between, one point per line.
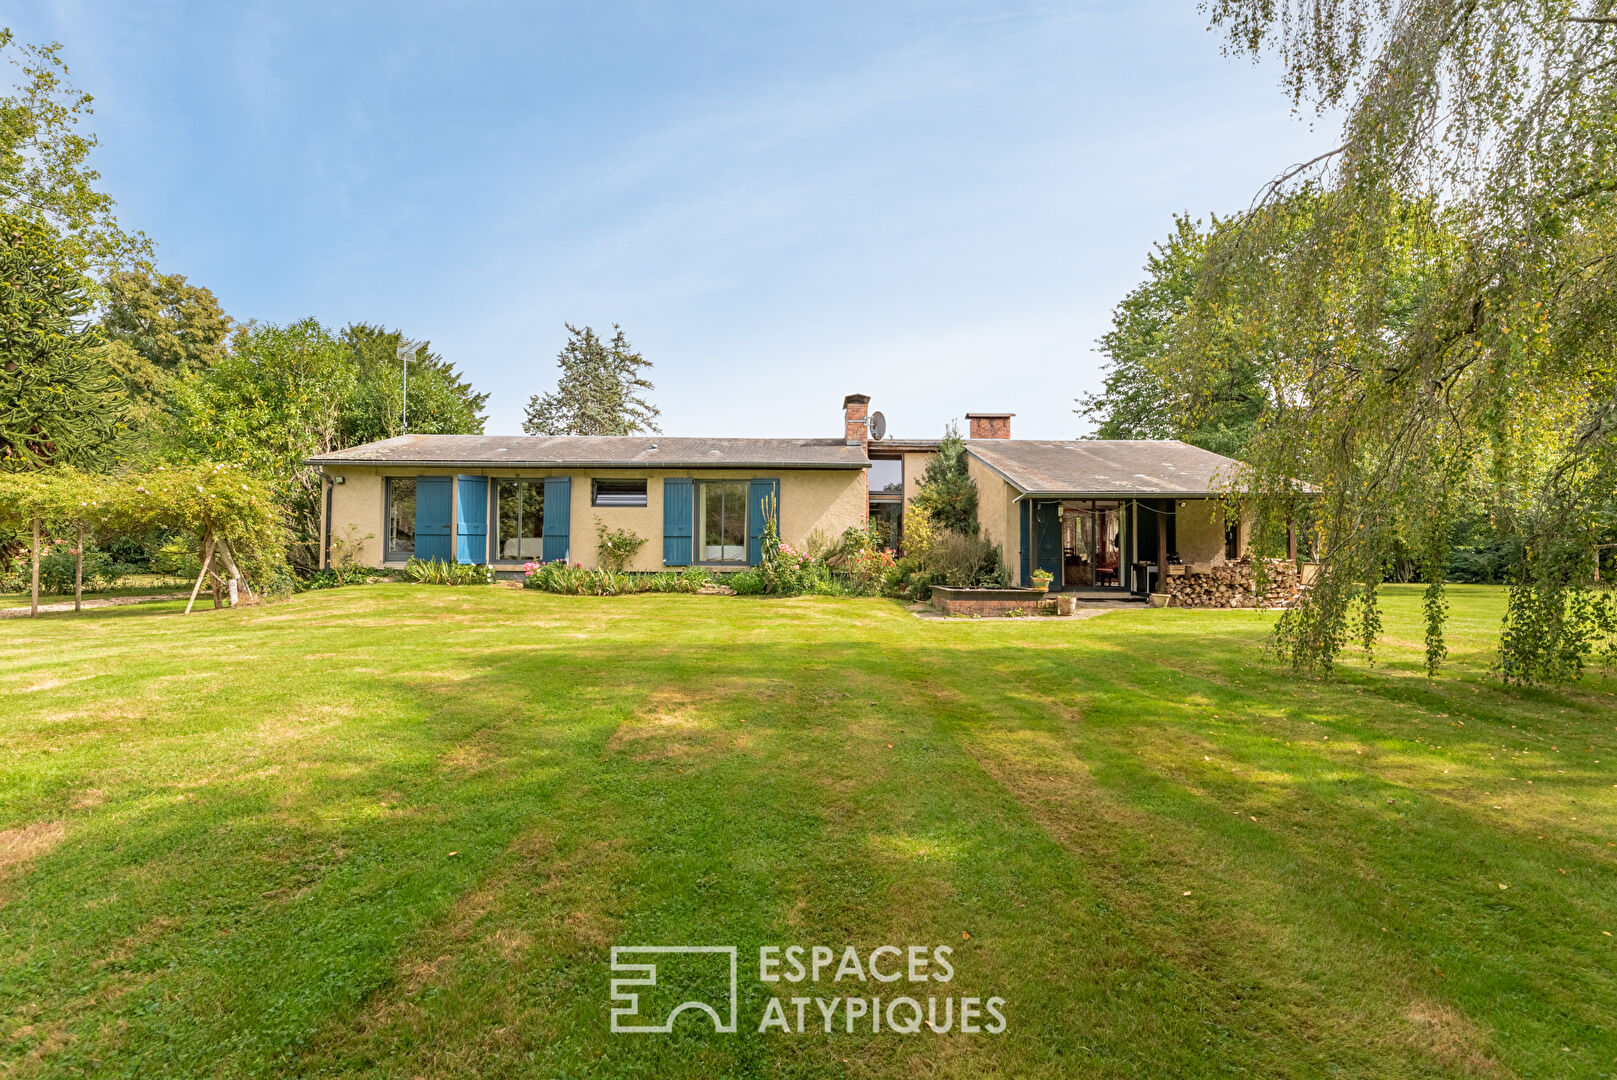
58	404
205	499
947	496
271	403
283	394
1438	299
602	389
160	328
1147	394
441	401
45	175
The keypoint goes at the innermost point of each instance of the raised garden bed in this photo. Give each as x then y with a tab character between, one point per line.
951	601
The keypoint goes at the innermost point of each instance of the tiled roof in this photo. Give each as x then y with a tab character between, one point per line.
1098	468
600	451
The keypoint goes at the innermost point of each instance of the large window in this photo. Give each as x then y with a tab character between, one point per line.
887	476
721	520
520	509
400	518
618	493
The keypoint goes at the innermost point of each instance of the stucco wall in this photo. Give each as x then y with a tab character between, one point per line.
831	500
356	504
915	468
1199	530
996	513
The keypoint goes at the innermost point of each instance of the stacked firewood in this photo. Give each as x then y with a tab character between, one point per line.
1230	585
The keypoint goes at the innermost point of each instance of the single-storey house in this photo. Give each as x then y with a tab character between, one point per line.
1096	514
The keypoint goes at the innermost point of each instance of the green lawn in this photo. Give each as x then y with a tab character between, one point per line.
395	831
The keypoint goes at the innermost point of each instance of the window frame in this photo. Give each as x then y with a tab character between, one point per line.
884	493
389	552
644	493
535	483
698	523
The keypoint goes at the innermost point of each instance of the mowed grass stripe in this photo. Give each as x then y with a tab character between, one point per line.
240	863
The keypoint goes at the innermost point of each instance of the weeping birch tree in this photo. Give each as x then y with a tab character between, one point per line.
1437	299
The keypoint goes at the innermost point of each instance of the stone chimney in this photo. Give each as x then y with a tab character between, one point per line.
856	419
990	425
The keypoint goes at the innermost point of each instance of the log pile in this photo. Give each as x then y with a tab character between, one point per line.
1230	585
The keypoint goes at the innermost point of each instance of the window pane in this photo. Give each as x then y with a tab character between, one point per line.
722	510
533	520
887	476
520	507
400	516
620	493
886	518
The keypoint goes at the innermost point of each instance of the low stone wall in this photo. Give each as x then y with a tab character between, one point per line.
1230	585
987	601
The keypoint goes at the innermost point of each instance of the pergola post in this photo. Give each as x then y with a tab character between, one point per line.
78	572
33	606
1162	543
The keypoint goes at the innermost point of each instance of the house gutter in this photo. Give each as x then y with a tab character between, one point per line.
325	462
325	524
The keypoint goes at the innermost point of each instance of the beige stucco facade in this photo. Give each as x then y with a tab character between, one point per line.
996	512
914	468
828	500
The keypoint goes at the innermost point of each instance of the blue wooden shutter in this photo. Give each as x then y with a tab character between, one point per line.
677	514
763	496
471	519
433	532
558	516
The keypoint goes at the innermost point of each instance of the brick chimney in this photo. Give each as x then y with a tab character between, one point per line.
990	425
856	419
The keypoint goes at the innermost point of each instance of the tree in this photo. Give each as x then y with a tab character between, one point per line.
58	404
270	404
1446	298
601	390
159	329
44	162
1146	392
947	494
441	401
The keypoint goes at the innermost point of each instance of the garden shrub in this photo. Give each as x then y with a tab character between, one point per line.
616	548
441	572
56	570
936	556
747	582
572	579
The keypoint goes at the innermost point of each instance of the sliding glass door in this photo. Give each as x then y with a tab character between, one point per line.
721	515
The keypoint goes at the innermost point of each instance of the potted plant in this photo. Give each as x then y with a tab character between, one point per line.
1042	579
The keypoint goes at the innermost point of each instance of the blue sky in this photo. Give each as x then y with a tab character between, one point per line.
935	204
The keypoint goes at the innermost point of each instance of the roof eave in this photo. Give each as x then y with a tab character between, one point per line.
328	462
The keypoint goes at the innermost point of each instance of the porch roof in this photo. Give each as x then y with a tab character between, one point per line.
1084	468
600	452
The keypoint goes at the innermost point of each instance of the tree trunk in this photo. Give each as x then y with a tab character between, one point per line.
33	607
78	573
231	569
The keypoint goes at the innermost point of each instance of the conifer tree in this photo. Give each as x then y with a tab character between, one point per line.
58	402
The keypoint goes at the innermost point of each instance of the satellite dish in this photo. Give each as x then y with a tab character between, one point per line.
878	425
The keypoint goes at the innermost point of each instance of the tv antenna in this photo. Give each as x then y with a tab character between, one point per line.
405	352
